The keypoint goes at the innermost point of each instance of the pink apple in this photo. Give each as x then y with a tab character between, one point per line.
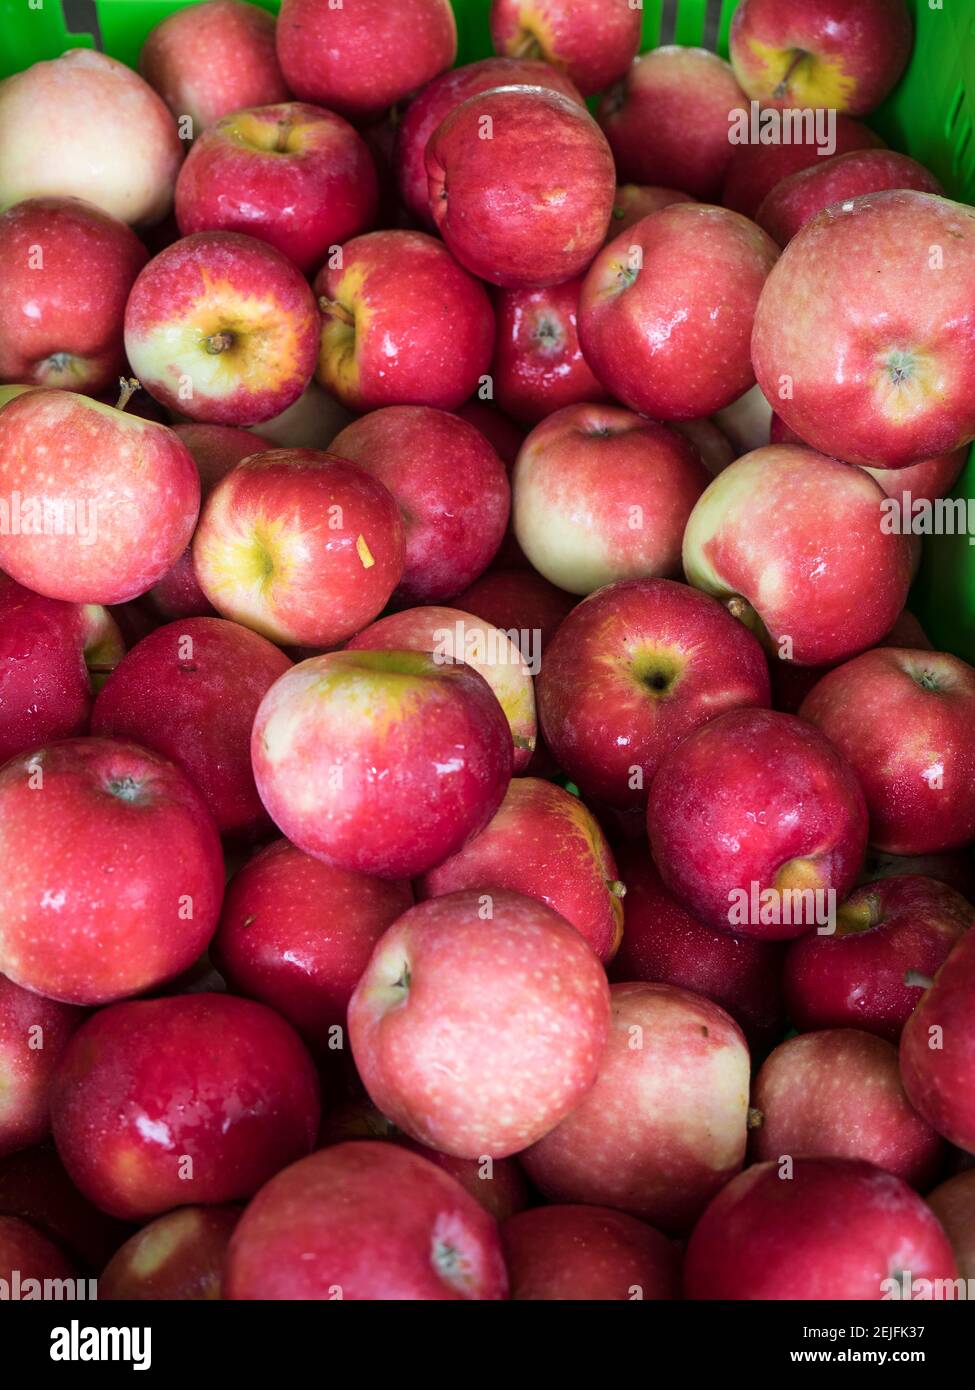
208	60
756	801
538	364
519	600
820	52
602	494
953	1203
937	1048
381	762
113	871
365	1221
668	120
635	201
33	1034
451	488
114	509
663	1128
179	1256
592	41
755	169
361	58
786	537
403	324
527	207
301	546
714	448
293	175
480	1022
297	934
59	120
222	328
650	660
891	935
666	310
829	1228
587	1253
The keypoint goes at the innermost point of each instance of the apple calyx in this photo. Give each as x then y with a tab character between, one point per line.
124	788
616	887
219	342
756	1118
915	979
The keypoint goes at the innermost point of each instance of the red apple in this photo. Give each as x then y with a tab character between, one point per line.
601	494
504	436
875	367
299	545
33	1034
190	692
953	1203
890	935
955	867
826	1228
756	168
666	310
538	364
179	1256
800	53
480	1022
58	122
35	1187
381	762
451	488
787	537
297	934
208	60
293	175
756	801
937	1049
668	120
663	944
113	872
222	328
587	1253
635	201
403	324
838	1094
198	1098
527	205
663	1128
365	1221
518	599
592	41
113	510
28	1260
647	660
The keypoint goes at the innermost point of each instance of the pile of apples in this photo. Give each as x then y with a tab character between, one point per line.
422	687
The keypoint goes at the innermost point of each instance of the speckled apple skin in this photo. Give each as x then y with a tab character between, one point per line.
179	1256
936	1066
635	201
218	1089
592	41
131	485
538	364
496	1035
583	1253
34	1032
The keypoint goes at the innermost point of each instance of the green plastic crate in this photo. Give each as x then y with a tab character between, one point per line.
931	116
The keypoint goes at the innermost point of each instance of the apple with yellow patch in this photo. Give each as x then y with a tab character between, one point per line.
178	1256
592	41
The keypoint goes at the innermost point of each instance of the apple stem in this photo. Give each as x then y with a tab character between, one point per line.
127	389
915	980
783	86
332	309
528	46
219	342
284	131
756	1118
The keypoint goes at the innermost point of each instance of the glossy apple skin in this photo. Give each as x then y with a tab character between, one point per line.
61	316
529	206
650	660
588	1253
520	600
538	364
53	656
360	59
114	874
504	436
953	1203
635	201
877	387
58	118
838	1094
451	487
381	762
592	41
35	1187
663	1128
480	1022
208	60
836	1229
601	494
302	546
451	634
146	1084
937	1048
128	487
29	1254
670	338
664	944
190	691
850	55
754	170
179	1256
683	96
793	201
297	934
365	1221
403	324
292	175
438	98
755	797
789	536
33	1034
905	720
544	843
885	930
